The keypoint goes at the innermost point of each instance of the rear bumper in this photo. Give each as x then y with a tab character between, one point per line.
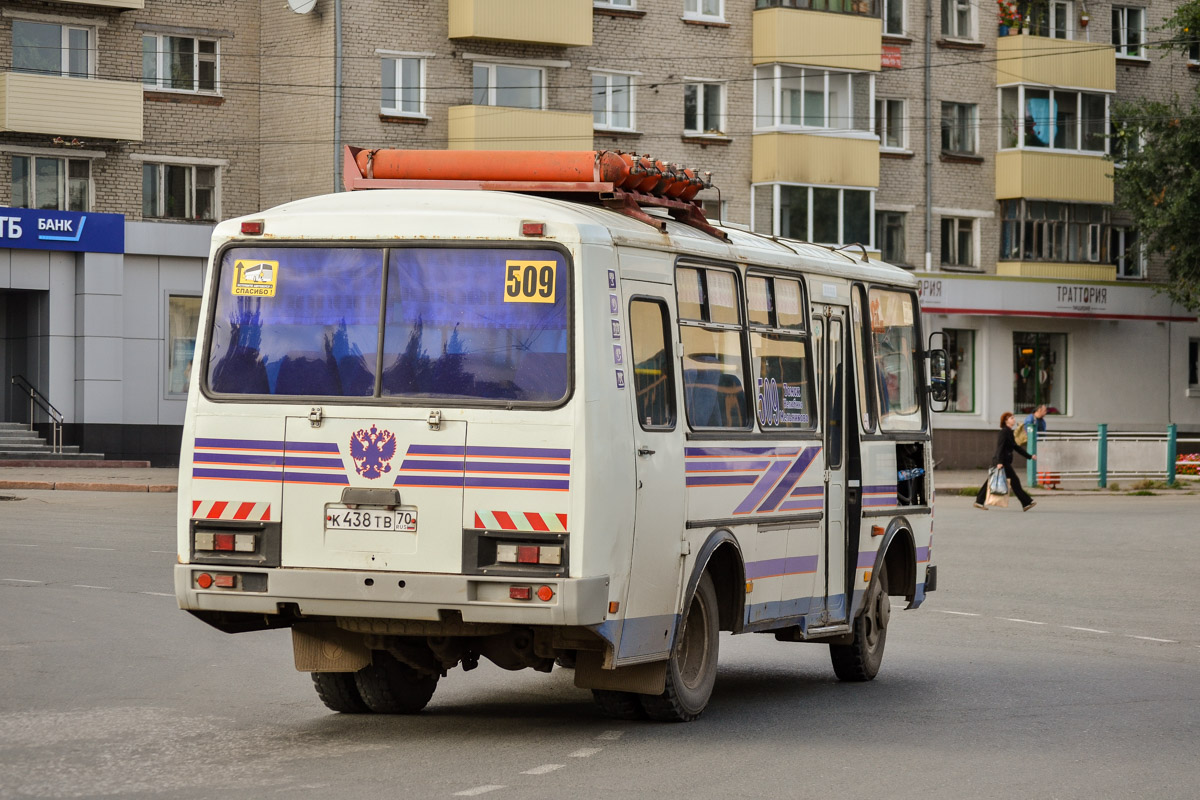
398	595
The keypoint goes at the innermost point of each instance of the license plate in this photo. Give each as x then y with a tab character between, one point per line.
340	518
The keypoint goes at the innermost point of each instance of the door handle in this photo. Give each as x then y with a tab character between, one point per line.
645	451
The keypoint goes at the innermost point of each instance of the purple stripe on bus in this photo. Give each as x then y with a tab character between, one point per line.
312	447
316	477
486	466
506	452
239	444
866	558
887	487
238	458
797	470
879	501
799	491
305	461
774	567
806	504
764	485
475	482
736	452
726	466
720	480
922	554
236	474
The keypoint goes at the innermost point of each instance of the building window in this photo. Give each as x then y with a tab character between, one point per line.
178	191
1036	230
710	328
808	98
1126	253
1193	365
1053	119
704	108
510	86
958	128
889	124
402	87
814	213
715	211
864	8
1129	31
893	17
1194	52
957	19
183	317
1040	370
180	63
57	184
708	10
47	48
889	235
614	4
612	101
960	354
958	242
1054	20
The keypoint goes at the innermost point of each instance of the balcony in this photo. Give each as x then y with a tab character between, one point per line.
817	38
563	23
124	5
815	159
77	107
501	128
1066	177
1055	62
1062	272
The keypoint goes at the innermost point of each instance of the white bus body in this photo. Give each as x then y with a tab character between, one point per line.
420	431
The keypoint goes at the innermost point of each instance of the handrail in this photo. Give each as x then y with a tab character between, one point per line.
43	402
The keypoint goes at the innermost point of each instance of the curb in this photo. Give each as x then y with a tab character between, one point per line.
77	486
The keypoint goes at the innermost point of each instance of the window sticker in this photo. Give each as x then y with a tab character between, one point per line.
529	281
620	379
616	329
614	305
612	279
255	278
618	355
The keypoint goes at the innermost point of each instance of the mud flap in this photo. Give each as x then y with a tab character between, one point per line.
648	678
322	647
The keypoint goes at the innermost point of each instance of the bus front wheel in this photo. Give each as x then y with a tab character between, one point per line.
860	660
692	667
390	687
339	692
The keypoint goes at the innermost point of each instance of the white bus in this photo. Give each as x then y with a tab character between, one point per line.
430	425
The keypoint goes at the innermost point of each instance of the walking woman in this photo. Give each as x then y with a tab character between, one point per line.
1005	445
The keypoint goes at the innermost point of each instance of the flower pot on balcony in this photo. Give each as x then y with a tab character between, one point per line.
1084	19
1004	30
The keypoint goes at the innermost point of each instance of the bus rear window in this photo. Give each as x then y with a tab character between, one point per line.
469	324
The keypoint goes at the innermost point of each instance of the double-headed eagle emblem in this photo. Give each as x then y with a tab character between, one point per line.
371	451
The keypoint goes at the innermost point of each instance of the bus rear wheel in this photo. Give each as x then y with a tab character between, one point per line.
339	692
390	687
692	667
860	660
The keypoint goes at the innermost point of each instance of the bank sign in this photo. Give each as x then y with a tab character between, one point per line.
81	232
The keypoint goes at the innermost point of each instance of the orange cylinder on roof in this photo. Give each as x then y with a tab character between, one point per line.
583	166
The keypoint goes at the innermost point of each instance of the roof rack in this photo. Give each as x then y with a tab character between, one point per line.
623	182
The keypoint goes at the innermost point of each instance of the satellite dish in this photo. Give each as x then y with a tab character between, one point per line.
302	6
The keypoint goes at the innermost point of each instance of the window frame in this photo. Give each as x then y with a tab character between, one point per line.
724	327
1021	133
64	50
624	5
1119	252
973	225
776	210
802	335
919	377
952	359
776	123
1038	336
880	235
1193	367
886	6
699	15
64	184
699	84
168	343
608	76
884	124
951	31
670	360
160	180
969	127
399	86
1120	32
1046	231
491	67
160	82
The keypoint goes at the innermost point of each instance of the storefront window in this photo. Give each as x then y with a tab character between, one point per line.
183	317
960	350
1040	372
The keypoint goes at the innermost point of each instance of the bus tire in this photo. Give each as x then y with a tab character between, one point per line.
618	705
390	687
860	660
692	667
339	692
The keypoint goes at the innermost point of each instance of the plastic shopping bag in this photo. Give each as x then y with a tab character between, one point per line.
997	480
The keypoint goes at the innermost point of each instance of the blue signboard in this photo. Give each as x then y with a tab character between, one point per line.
82	232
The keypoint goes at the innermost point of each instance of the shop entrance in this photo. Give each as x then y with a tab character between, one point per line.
24	350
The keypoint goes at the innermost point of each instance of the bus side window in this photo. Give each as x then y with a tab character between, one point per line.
653	369
864	370
714	387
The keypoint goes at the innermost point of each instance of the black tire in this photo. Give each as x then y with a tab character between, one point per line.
692	667
860	660
339	692
390	687
618	705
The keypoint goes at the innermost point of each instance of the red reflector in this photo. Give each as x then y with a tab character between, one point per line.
254	228
204	580
223	541
520	592
545	593
527	554
225	581
533	229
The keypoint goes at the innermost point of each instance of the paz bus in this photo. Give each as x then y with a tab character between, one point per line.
536	408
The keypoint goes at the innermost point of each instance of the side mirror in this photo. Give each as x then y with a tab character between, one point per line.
939	386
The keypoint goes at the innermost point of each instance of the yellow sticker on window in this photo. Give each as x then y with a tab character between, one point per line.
529	281
255	278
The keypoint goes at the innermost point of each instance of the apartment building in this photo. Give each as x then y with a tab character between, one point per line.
156	118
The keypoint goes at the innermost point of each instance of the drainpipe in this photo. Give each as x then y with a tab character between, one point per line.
337	95
928	137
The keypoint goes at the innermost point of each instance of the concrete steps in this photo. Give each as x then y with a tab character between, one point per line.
18	443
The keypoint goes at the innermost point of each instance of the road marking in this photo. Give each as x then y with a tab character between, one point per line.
585	752
85	586
10	544
611	736
164	552
1152	639
1026	621
543	769
157	594
1085	630
956	613
18	580
477	791
79	547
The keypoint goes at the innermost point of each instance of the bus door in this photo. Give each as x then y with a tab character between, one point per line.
831	349
647	372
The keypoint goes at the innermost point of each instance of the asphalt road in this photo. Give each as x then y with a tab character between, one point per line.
1060	658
